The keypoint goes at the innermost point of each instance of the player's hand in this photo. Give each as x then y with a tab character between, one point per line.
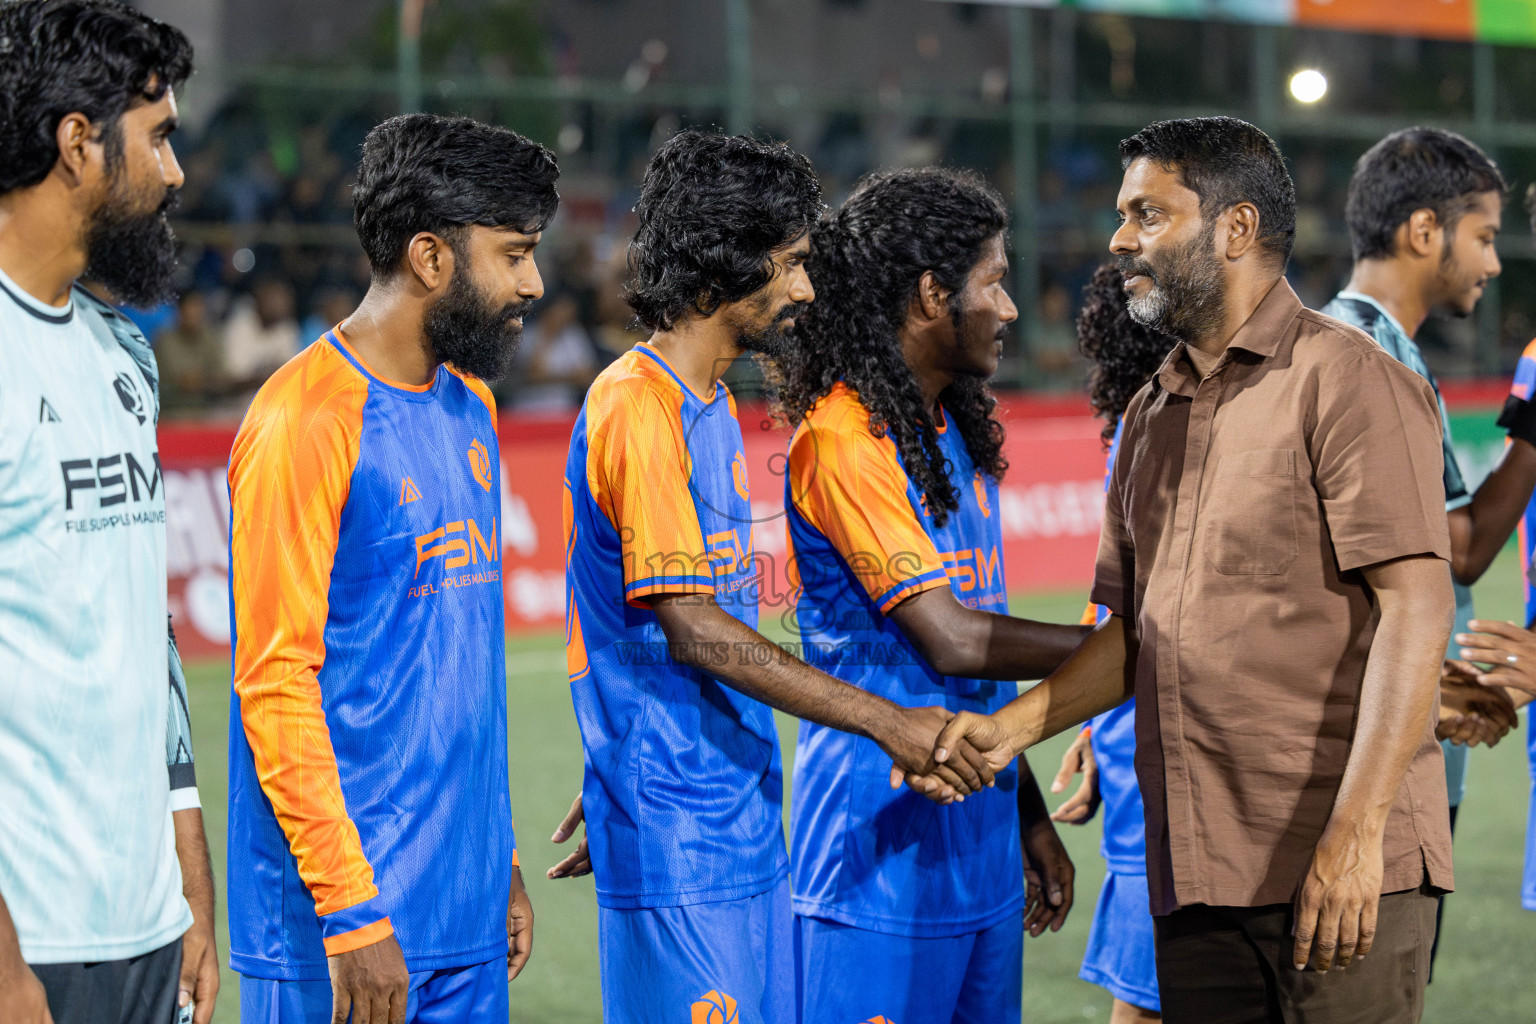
910	741
954	745
370	983
1084	804
519	926
199	969
578	861
22	998
1048	875
1336	907
1507	650
1471	713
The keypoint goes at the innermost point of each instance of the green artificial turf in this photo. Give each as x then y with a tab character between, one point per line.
1487	966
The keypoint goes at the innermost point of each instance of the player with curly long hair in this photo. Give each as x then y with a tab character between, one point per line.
1120	954
893	515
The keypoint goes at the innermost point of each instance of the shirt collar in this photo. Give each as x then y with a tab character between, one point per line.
1362	297
1260	335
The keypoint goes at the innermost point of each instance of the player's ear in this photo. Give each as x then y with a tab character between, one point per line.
430	259
76	137
932	298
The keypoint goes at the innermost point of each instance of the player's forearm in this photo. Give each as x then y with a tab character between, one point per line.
1399	692
1096	677
196	865
1479	530
704	636
972	644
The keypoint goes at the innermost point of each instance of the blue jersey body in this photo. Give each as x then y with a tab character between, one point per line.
1113	735
368	739
863	854
683	788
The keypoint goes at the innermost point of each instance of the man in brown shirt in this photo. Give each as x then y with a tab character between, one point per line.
1274	552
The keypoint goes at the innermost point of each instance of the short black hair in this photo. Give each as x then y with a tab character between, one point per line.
712	209
1414	169
424	172
59	57
1225	161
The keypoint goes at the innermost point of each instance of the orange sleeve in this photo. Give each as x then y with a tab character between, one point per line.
638	468
848	484
289	477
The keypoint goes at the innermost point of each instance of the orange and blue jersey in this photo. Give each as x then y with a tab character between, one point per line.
863	541
683	787
368	738
1522	390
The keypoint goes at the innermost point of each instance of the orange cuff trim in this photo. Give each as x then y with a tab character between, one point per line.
910	588
357	938
515	862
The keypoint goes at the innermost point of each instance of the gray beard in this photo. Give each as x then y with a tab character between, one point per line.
1150	309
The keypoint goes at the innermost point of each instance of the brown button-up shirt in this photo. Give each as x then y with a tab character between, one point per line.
1240	510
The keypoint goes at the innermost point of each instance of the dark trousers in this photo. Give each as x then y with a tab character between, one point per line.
1232	965
139	990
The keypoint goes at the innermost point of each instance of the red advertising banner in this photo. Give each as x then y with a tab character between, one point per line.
1050	504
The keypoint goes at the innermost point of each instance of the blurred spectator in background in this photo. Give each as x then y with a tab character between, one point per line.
1058	363
191	359
556	361
261	333
331	306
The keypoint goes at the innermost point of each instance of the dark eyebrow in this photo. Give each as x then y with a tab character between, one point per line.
170	124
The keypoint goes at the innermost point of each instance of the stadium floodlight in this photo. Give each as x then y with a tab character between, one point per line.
1309	85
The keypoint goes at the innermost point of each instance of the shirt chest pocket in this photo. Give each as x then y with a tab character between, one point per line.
1248	513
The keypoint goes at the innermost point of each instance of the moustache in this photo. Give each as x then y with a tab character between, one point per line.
1130	266
793	311
514	311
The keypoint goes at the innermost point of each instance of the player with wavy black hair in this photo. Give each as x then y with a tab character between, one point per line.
106	892
683	792
1125	353
422	172
72	69
371	440
423	176
712	209
893	511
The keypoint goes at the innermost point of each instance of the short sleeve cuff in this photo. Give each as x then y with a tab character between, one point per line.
1360	555
933	579
653	585
185	799
1110	595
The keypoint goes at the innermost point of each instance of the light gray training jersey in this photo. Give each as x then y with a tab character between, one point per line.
92	706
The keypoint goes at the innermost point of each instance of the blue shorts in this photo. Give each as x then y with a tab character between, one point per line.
848	974
709	963
476	995
1121	956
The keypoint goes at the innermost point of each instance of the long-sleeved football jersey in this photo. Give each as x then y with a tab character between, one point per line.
368	740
